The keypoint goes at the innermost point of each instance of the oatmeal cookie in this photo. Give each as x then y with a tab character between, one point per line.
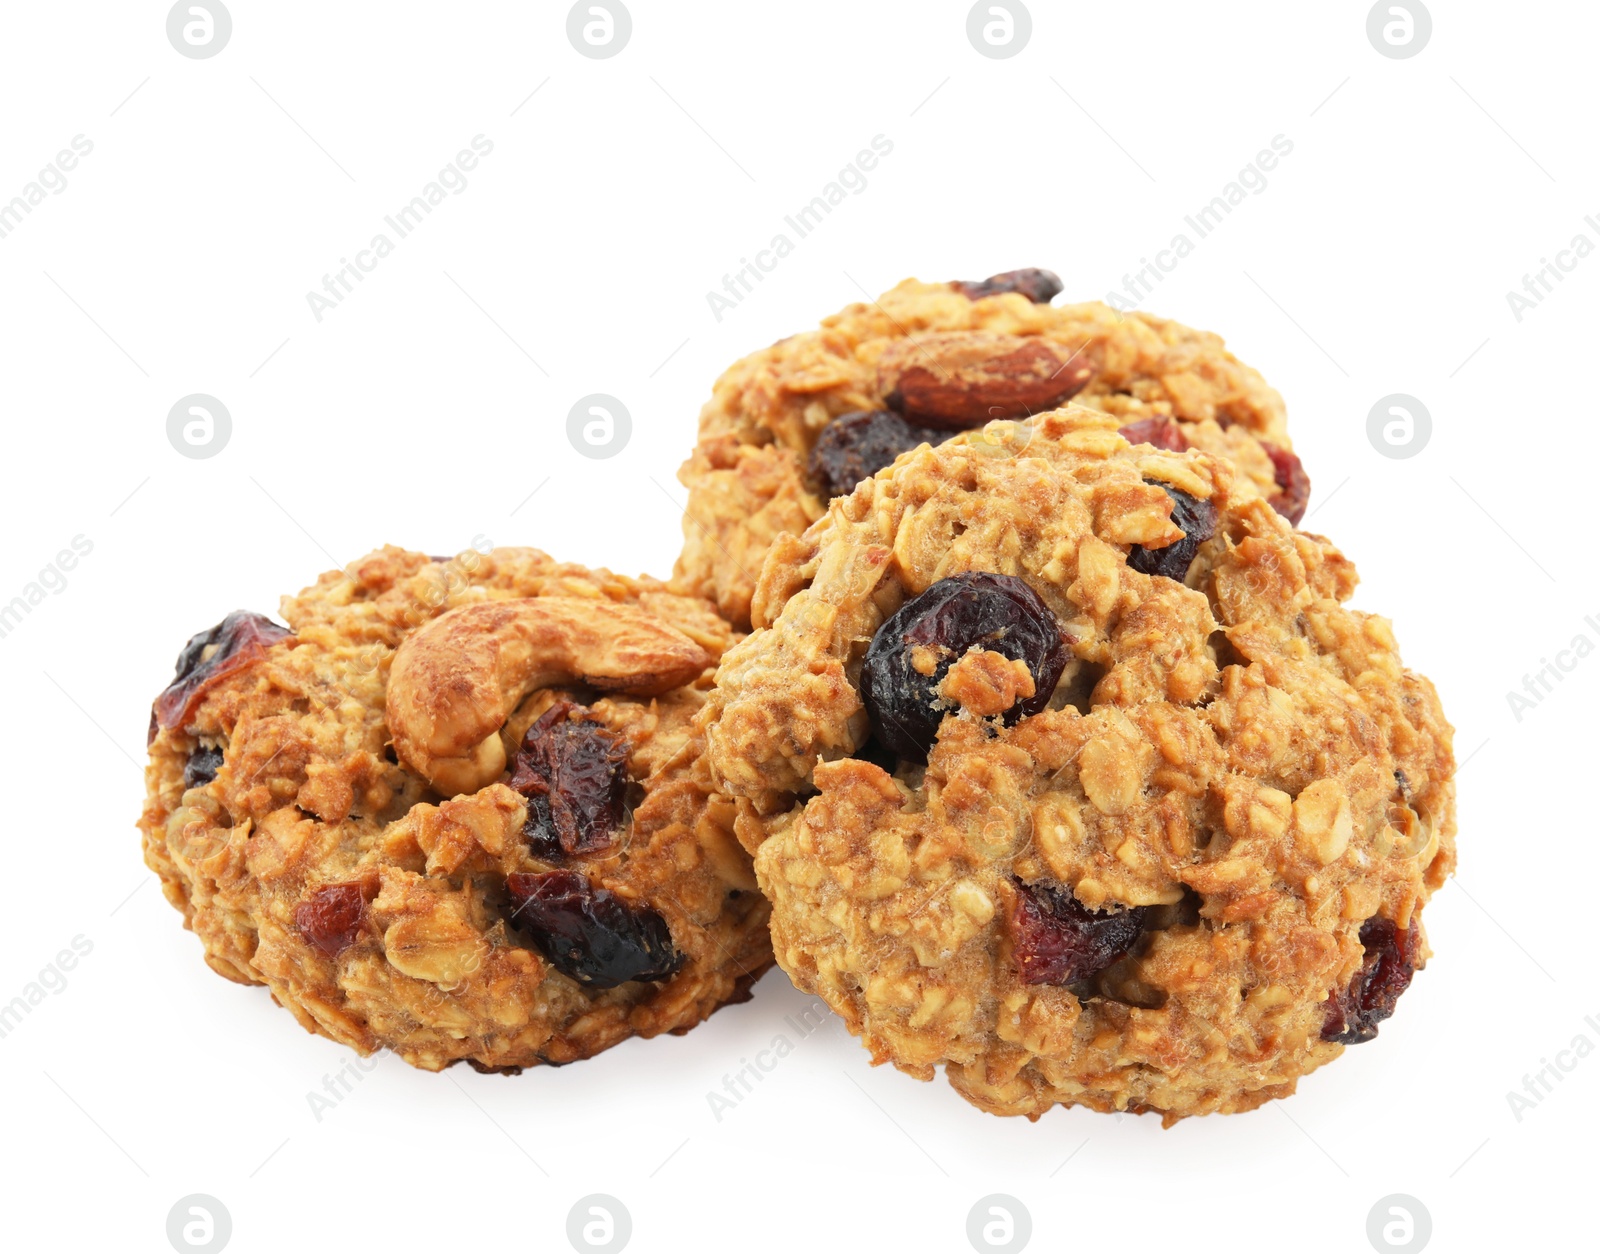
794	425
459	809
1065	767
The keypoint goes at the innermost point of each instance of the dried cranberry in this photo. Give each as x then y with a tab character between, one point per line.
210	657
1197	520
331	918
1294	485
1039	286
856	446
1056	939
1160	432
539	830
999	613
574	772
202	767
590	933
1352	1016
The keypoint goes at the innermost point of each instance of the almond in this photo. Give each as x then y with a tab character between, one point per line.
960	379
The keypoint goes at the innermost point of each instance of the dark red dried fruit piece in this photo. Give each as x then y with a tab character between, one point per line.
856	446
1294	485
1160	432
1039	286
590	933
539	830
1196	518
1056	939
1352	1016
574	772
331	918
999	613
202	767
211	656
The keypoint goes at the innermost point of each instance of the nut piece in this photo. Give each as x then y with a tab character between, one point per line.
1322	820
962	379
456	681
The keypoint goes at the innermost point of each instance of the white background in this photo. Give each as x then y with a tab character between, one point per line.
427	407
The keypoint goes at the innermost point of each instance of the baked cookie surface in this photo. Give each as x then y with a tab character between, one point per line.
459	809
794	425
1066	768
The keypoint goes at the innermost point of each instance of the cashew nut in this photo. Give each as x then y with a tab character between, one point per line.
455	681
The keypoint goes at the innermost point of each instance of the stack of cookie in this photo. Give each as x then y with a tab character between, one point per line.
995	695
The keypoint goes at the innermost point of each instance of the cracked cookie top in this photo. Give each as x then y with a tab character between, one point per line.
1065	766
801	422
458	809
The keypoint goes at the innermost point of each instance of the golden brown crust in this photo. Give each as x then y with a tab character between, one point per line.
747	477
1238	753
308	795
